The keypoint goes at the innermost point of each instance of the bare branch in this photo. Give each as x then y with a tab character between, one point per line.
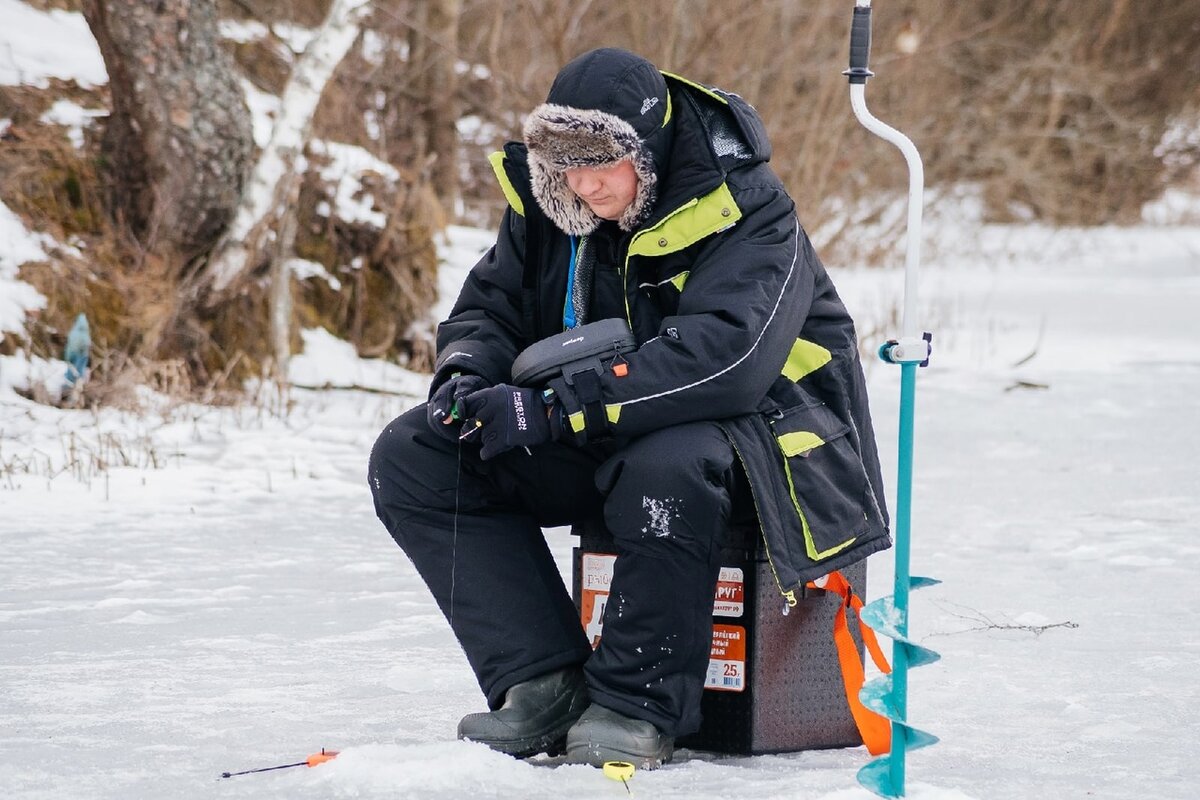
986	623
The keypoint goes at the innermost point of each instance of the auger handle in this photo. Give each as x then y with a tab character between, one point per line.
860	49
860	44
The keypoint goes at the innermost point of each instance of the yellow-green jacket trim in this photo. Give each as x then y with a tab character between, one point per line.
810	545
688	224
805	357
496	159
698	87
578	423
798	442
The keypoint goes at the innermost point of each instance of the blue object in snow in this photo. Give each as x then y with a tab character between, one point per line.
78	350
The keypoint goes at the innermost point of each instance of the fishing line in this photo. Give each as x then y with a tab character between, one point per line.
454	538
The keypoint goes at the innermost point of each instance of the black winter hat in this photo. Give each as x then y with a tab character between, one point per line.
605	106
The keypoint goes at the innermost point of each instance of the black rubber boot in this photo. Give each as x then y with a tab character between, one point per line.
603	735
535	716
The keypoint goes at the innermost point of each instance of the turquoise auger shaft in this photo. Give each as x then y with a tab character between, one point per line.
908	391
888	616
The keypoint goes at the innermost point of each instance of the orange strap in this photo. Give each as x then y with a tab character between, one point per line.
876	731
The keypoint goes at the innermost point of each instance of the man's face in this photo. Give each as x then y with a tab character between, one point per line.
608	191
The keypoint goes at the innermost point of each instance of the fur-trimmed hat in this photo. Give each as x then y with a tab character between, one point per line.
604	107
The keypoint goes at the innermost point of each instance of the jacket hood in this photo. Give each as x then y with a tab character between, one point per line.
604	107
716	132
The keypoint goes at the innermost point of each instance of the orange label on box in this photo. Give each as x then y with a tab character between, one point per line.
727	659
596	576
730	600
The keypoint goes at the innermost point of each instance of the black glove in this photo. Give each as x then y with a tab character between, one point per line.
503	417
444	405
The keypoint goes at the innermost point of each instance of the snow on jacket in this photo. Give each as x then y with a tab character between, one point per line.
736	320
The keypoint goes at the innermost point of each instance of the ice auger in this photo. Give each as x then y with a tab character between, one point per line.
888	695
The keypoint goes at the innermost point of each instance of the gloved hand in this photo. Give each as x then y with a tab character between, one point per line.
503	417
444	406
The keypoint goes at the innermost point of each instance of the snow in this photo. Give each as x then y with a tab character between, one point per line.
303	269
479	72
375	47
294	37
17	246
73	117
347	166
264	110
187	590
242	31
1175	207
459	251
193	590
297	37
475	130
329	360
38	45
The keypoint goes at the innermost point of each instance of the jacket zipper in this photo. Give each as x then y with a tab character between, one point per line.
634	238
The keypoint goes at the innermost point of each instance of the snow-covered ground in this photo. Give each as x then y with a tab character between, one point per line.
194	590
227	600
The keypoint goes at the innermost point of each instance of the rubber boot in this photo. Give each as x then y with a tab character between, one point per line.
535	716
603	735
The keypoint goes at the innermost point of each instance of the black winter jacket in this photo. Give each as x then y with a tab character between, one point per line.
736	321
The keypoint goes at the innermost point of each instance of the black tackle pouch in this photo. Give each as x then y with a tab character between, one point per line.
589	347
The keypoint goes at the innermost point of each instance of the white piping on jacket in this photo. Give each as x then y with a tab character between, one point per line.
660	283
753	347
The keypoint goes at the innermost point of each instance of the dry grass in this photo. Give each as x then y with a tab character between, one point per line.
1054	109
84	459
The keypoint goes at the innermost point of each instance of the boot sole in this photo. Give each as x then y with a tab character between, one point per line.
598	754
553	743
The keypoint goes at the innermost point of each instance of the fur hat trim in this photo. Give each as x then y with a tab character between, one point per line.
559	138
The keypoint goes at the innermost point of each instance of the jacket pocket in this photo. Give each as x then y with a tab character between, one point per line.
826	478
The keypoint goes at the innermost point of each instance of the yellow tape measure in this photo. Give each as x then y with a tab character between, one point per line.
618	770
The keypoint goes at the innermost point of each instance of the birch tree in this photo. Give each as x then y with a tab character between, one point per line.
275	180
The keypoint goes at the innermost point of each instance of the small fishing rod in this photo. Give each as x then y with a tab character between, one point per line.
312	761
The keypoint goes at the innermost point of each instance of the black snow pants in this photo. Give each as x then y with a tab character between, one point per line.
473	531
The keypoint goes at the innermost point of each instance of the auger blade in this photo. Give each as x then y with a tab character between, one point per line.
877	776
915	739
919	656
876	695
883	617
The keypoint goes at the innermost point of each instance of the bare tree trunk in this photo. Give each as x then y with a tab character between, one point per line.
265	201
178	139
441	96
280	303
